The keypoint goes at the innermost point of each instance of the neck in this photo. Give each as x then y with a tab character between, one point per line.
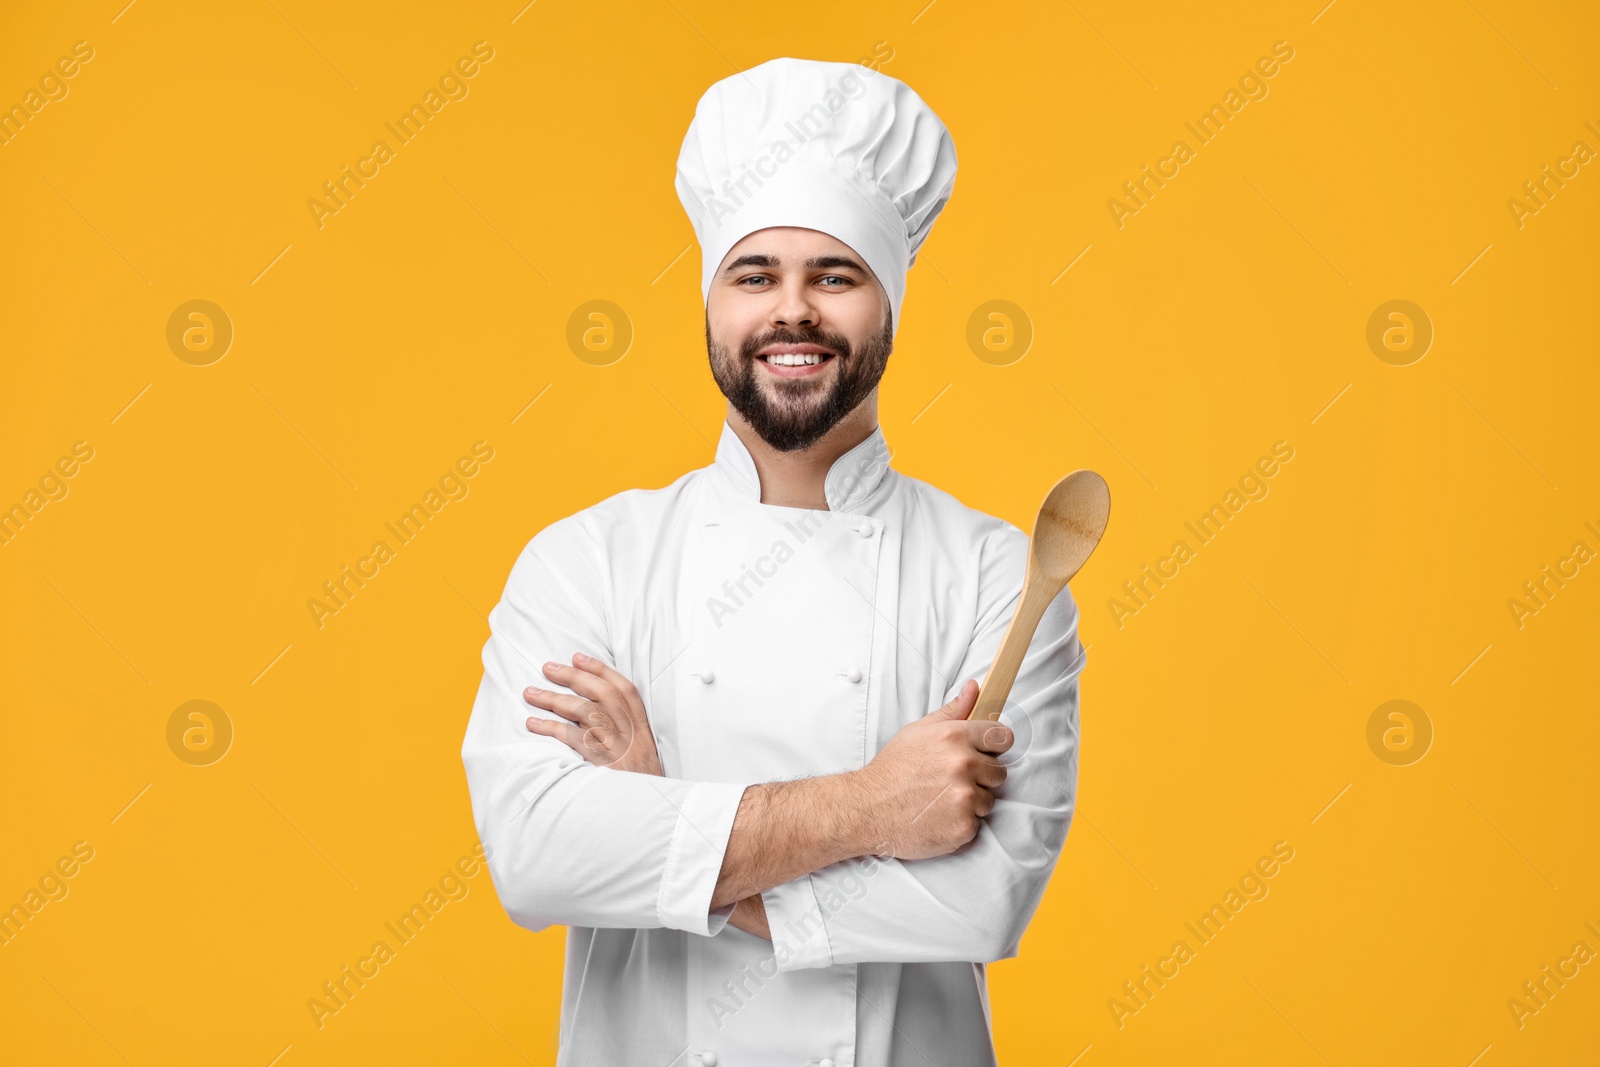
799	479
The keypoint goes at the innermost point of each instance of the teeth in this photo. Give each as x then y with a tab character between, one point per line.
794	359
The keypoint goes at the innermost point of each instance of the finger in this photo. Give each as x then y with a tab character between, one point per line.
581	682
565	732
595	745
619	681
563	704
991	774
984	805
986	736
961	706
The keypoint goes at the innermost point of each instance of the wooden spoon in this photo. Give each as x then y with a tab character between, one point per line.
1071	520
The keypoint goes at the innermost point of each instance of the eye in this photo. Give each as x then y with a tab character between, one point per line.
839	278
748	279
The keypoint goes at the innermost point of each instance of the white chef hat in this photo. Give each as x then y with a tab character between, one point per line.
834	147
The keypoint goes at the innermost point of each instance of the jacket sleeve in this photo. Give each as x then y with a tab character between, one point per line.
569	842
972	904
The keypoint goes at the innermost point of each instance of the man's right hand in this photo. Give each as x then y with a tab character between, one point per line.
925	792
922	796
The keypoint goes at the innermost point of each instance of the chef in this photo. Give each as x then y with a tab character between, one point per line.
721	734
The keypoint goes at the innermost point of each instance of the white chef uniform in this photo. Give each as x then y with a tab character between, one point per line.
767	643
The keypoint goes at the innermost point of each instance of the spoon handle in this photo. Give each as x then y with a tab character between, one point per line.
1037	593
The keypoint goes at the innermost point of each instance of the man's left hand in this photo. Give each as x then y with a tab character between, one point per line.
608	727
607	723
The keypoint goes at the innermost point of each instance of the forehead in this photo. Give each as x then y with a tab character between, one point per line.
790	246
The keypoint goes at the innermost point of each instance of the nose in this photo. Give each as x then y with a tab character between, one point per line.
795	307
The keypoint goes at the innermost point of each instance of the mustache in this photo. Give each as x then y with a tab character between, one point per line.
834	343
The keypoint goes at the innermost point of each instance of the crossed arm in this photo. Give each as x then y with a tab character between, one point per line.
582	843
940	774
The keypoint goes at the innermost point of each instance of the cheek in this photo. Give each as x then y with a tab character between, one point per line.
860	316
731	326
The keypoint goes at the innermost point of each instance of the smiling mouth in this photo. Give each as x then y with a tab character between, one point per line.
795	361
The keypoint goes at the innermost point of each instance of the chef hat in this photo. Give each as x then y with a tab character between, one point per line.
835	147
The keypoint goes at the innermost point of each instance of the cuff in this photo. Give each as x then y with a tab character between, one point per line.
694	858
799	935
719	918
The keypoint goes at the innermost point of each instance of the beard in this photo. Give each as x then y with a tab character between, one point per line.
802	409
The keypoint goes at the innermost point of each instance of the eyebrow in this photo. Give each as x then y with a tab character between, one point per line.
750	261
814	263
821	262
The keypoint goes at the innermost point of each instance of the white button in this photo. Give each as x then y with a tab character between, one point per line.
865	529
708	1058
854	674
825	1062
705	676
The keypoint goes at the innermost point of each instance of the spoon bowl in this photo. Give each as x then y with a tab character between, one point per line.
1071	521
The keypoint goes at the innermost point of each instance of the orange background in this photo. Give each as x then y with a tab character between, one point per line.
1230	312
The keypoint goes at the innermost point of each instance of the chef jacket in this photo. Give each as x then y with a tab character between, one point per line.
769	642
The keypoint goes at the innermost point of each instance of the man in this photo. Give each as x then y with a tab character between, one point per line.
753	795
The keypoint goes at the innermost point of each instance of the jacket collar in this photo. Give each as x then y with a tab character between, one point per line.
852	480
